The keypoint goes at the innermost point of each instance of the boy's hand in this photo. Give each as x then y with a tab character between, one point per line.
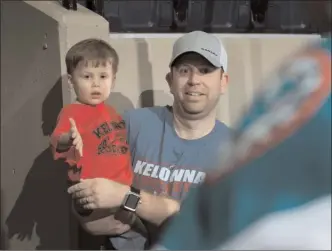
76	136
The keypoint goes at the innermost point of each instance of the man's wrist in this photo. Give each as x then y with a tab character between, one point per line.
122	194
132	199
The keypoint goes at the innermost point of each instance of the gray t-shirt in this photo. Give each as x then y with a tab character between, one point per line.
163	163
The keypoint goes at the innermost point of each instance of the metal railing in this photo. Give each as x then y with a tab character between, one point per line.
69	4
94	5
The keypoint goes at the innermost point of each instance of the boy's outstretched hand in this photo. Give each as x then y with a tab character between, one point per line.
76	137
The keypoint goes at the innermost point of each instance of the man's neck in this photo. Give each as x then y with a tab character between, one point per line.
193	129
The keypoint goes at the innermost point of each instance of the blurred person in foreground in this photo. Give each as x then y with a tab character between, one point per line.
273	190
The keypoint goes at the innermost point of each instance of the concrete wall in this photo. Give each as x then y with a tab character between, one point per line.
35	36
144	60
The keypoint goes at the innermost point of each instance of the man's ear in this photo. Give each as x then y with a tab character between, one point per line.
223	83
169	80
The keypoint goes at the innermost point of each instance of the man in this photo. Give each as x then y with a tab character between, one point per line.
273	191
172	148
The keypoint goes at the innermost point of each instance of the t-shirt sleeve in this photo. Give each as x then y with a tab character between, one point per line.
62	126
131	128
119	138
121	123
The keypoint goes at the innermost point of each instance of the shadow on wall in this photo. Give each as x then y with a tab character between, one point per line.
3	245
44	191
148	97
120	102
144	69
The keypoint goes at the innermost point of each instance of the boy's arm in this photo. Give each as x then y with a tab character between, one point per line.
64	141
61	138
67	139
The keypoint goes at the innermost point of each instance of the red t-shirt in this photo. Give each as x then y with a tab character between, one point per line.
105	149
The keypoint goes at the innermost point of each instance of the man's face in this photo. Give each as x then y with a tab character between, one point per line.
196	85
92	81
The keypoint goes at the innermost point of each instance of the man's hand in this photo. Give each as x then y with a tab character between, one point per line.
76	137
98	193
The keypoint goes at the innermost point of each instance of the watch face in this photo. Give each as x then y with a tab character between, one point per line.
132	201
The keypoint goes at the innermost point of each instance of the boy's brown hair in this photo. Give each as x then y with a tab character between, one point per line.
91	49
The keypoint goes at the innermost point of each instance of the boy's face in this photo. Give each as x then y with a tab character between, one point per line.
92	81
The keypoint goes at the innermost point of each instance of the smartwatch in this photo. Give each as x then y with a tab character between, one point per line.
132	199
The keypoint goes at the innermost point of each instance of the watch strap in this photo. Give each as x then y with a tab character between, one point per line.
135	190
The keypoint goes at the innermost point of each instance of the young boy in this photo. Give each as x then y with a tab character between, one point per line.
90	135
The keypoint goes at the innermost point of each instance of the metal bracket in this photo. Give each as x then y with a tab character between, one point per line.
70	4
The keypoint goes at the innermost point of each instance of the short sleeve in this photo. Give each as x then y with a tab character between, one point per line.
126	119
132	130
62	126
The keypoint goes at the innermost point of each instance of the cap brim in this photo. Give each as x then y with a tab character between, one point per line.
205	55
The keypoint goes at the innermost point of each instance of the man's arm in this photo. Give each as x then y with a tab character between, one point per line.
102	193
156	209
152	208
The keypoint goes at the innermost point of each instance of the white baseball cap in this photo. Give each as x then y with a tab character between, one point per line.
205	44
